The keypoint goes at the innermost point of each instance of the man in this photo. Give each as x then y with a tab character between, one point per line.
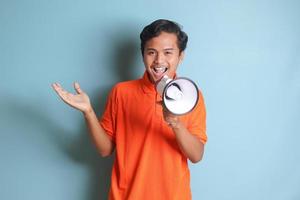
152	145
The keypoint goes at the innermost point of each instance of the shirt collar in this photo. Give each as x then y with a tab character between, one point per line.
147	85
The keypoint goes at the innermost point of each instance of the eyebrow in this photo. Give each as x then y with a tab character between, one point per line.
168	49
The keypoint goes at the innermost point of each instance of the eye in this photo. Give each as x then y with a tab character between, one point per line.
150	53
168	52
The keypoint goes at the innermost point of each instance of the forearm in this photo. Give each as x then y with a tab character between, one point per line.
103	143
189	144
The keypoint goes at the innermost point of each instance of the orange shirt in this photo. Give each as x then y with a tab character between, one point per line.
149	164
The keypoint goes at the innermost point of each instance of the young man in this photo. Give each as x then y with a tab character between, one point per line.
152	145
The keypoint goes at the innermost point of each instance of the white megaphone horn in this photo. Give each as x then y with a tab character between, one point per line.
179	95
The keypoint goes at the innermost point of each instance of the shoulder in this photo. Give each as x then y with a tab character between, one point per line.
126	87
127	84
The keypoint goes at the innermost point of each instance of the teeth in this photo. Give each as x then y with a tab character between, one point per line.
160	69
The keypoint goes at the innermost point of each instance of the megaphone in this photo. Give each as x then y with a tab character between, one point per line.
179	95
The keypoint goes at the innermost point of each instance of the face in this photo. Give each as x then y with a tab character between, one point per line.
162	56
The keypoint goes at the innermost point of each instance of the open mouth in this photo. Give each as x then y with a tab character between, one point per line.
159	71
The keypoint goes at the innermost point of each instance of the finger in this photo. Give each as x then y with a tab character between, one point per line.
60	91
55	86
59	85
166	112
77	88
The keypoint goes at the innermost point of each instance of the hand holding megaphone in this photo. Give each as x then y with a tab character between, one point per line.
179	95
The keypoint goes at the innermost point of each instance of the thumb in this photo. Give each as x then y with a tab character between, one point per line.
77	88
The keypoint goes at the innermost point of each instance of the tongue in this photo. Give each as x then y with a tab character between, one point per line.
158	74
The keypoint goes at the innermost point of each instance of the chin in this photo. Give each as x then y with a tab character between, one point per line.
171	75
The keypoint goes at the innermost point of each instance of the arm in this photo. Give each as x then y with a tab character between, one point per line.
189	144
103	143
81	102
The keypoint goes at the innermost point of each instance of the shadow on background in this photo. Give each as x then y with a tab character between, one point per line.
123	67
77	146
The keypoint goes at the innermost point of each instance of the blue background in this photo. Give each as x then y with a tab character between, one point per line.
244	55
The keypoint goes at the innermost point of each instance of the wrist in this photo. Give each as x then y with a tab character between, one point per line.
88	112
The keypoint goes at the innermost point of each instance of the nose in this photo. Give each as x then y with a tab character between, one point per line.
159	58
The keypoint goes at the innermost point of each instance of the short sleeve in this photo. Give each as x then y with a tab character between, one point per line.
197	120
108	119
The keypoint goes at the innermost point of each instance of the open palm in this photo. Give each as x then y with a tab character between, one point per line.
79	101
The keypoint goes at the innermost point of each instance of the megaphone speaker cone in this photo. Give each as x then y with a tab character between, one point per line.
180	96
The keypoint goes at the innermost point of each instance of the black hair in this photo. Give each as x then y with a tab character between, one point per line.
162	25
